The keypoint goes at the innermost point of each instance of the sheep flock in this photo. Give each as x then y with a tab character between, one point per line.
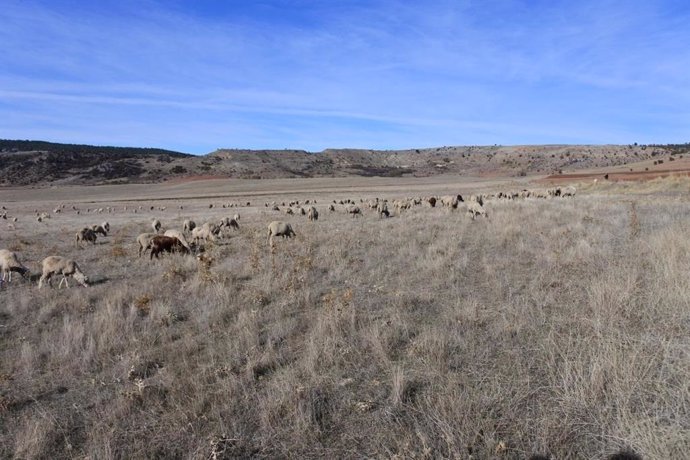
192	238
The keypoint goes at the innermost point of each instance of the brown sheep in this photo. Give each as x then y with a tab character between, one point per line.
160	243
85	234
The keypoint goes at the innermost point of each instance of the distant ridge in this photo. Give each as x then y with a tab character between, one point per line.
26	162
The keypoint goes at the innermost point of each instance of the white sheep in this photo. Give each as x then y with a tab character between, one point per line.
144	241
313	214
475	209
230	223
451	201
279	228
353	210
568	191
206	232
188	225
9	262
236	217
382	209
56	265
99	229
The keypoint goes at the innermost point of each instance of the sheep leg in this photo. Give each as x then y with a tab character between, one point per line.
44	277
64	278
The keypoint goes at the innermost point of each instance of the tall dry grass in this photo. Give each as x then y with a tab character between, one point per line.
556	326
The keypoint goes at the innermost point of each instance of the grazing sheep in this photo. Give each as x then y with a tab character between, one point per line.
289	211
302	211
382	210
180	236
106	225
56	265
144	241
275	208
477	199
188	225
85	234
568	191
432	201
156	225
451	201
353	210
475	209
279	228
9	262
331	208
312	214
228	222
401	205
99	229
161	243
206	232
236	217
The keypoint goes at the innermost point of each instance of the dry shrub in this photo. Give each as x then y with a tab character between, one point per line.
118	251
143	304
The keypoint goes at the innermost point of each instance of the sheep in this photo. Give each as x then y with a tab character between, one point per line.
475	209
188	225
432	201
180	236
228	222
99	229
161	243
312	214
353	210
236	217
401	205
56	265
106	225
289	211
85	234
451	201
568	191
477	199
156	225
382	210
144	241
9	262
206	232
279	228
331	208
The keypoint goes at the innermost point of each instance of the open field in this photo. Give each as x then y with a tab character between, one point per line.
556	326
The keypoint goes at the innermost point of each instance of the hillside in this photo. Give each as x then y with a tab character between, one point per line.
43	163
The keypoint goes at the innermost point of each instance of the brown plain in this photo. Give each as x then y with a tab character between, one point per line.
556	326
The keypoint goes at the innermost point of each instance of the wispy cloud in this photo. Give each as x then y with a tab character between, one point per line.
382	74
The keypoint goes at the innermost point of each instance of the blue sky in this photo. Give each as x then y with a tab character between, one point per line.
199	75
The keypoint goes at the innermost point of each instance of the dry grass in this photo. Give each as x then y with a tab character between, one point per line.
556	326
